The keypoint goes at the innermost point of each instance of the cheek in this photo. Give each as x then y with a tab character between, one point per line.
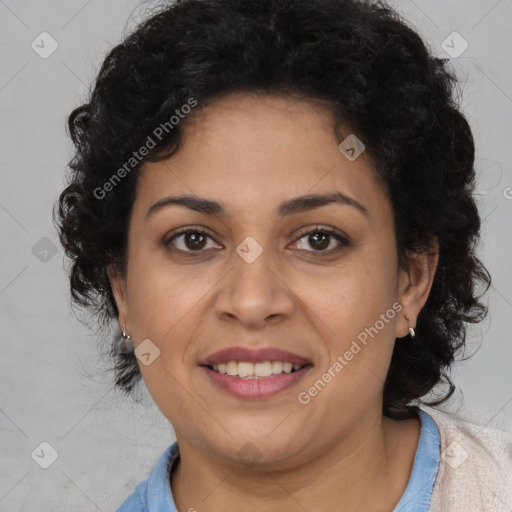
354	295
354	314
167	306
160	294
163	304
356	321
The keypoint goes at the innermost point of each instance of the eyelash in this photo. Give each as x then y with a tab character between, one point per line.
317	230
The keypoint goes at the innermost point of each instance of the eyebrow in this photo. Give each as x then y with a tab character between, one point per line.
286	208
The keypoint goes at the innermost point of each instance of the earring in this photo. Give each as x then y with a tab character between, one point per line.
411	330
124	345
124	333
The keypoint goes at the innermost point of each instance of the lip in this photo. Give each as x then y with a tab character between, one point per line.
259	355
256	388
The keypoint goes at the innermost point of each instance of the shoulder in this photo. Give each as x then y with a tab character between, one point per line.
136	502
475	467
154	493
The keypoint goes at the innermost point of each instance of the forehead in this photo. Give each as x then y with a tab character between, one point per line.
245	146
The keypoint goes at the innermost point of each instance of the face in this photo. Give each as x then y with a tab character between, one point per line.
262	271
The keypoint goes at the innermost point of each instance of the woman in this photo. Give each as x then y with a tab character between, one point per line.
273	200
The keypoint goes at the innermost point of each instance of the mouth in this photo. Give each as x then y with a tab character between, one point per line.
248	370
255	374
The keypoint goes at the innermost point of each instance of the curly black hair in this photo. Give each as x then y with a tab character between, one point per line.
375	73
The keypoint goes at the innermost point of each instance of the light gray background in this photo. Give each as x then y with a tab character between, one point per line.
53	384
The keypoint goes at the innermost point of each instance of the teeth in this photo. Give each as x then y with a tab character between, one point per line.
232	368
248	370
245	369
277	367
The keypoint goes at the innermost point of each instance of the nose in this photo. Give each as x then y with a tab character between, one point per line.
254	294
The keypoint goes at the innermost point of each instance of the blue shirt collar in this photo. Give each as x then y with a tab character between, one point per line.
418	493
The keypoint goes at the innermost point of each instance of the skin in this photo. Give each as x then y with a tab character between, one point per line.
338	452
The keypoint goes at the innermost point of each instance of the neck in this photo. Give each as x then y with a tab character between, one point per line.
368	468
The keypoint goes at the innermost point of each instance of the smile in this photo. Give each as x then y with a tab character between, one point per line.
248	370
253	386
254	373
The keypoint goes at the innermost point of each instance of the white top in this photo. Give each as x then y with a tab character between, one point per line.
475	471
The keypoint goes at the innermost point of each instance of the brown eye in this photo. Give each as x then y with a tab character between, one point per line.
190	240
194	241
320	239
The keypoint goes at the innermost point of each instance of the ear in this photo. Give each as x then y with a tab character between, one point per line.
118	286
414	287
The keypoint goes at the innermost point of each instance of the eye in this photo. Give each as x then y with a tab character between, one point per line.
196	239
320	239
190	240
